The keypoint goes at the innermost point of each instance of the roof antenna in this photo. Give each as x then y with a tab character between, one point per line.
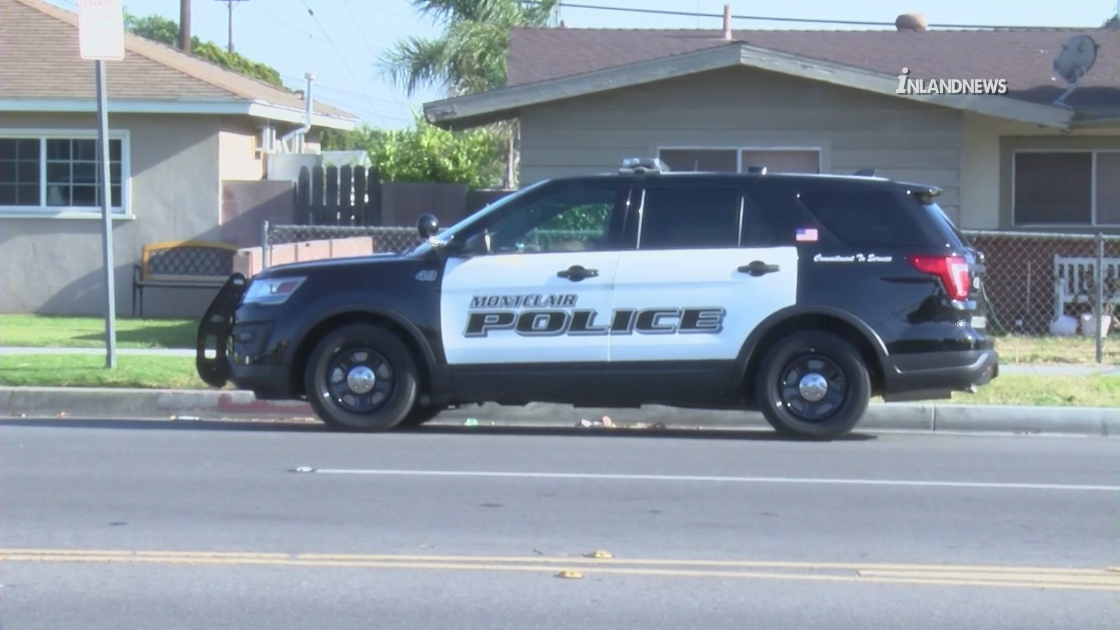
1077	57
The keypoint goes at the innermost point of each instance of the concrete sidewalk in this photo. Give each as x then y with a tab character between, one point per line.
97	403
1037	369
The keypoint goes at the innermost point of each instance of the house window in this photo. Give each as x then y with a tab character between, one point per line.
1066	188
713	160
53	173
734	160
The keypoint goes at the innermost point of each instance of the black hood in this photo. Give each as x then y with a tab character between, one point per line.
329	264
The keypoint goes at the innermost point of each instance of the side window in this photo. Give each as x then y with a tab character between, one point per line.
676	217
757	228
577	217
864	218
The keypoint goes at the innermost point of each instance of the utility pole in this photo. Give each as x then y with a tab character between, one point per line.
229	7
185	26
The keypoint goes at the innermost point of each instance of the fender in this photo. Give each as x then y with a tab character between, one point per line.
358	302
746	353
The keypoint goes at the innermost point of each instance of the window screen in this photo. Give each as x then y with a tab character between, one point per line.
864	218
1053	188
687	218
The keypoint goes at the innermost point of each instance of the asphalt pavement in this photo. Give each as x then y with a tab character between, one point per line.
170	525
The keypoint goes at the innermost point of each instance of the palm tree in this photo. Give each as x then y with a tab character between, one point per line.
469	56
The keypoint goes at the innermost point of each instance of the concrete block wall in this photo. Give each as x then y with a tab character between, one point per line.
248	260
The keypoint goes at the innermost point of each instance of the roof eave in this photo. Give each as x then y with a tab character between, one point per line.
500	104
504	103
1096	120
258	109
860	79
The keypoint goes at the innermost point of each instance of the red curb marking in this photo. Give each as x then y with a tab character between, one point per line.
227	404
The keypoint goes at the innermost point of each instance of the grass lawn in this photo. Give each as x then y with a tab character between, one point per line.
1082	350
89	371
38	331
89	332
1078	391
179	373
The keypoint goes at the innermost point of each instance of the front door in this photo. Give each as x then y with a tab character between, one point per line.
702	278
533	286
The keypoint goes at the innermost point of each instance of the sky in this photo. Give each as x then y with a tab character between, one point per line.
342	40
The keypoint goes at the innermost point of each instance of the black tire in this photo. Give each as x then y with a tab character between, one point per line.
382	353
783	402
421	415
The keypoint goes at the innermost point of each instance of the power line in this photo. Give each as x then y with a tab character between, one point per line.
341	57
372	54
330	88
229	7
348	45
770	18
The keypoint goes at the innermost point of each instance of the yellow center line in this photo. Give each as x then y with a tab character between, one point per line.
946	575
745	564
580	560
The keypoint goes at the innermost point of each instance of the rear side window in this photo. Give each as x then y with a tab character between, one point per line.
682	217
864	218
945	223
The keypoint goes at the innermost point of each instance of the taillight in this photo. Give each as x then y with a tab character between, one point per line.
953	271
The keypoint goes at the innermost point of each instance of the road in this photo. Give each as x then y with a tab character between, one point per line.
179	525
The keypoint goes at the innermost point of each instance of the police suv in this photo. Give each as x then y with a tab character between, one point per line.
801	296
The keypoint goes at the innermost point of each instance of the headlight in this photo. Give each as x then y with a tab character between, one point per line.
271	290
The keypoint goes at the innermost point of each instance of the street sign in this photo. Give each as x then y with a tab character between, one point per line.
101	30
101	39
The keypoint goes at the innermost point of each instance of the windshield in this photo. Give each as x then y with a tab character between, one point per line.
448	234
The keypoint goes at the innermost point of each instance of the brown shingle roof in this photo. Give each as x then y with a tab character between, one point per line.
1022	56
39	59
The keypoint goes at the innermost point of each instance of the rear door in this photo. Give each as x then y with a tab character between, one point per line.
703	274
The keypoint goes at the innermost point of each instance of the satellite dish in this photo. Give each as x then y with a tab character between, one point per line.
1076	58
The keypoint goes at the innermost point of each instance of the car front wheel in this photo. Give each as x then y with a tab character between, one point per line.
813	385
361	378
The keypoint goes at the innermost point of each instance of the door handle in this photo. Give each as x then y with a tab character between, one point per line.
758	268
575	273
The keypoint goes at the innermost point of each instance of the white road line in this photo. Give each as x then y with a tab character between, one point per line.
713	479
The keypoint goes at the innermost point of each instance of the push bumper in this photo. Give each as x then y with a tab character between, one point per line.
216	330
936	375
244	352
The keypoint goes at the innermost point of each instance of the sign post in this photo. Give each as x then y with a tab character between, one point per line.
101	39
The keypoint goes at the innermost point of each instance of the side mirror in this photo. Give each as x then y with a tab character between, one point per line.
427	225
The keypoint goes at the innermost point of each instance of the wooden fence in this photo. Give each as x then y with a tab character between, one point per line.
355	196
350	195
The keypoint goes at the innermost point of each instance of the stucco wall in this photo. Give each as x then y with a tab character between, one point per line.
746	108
53	266
237	147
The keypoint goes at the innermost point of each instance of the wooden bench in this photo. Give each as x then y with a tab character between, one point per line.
1074	280
181	265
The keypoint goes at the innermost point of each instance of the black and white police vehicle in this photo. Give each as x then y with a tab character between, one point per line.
802	296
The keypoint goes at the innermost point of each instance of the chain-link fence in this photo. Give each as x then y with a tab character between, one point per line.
1047	293
292	243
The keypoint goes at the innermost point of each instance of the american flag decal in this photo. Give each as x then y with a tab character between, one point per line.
806	235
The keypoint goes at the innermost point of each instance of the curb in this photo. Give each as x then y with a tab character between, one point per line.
132	404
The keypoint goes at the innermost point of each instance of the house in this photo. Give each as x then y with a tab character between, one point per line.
824	101
179	129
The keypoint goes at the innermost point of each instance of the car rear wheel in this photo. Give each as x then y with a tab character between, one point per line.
421	415
813	385
361	378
